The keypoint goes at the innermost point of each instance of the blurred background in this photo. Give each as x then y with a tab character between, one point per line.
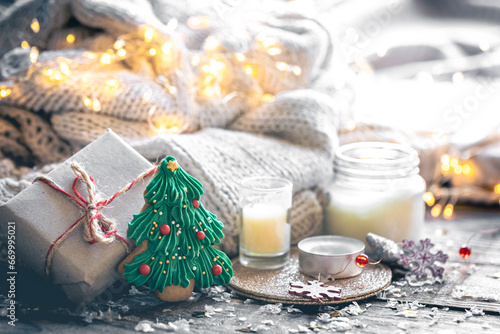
425	73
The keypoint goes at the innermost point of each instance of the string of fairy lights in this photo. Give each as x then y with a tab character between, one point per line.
441	199
210	66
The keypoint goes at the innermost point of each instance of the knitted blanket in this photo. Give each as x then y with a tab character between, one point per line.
256	115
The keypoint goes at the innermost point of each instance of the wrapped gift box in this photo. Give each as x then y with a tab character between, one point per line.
42	214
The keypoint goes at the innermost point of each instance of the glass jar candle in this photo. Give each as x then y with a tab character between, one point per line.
265	205
376	188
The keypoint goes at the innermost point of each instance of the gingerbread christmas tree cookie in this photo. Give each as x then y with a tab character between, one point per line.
175	235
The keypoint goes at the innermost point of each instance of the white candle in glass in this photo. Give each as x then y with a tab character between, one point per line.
397	216
265	204
376	189
265	229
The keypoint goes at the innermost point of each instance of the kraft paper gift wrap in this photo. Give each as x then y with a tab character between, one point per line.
42	214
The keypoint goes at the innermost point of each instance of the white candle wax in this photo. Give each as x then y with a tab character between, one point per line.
396	216
265	229
376	189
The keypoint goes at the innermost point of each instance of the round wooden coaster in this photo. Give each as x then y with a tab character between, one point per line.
273	285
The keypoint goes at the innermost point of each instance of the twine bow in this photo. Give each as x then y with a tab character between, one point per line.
97	227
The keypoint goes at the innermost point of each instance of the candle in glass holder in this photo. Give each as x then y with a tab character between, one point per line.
265	222
265	229
376	189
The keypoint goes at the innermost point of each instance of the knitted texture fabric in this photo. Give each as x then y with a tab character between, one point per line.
15	179
220	158
230	131
44	145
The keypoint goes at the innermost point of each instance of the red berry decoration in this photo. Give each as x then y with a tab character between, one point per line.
216	270
200	235
196	203
144	269
164	229
464	252
361	260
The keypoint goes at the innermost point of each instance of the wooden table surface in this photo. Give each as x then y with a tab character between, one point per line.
467	302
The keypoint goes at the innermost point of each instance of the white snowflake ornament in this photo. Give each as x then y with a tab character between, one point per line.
315	290
420	259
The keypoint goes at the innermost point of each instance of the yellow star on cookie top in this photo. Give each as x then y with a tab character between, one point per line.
172	165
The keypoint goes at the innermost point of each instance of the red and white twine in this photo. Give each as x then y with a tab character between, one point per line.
97	227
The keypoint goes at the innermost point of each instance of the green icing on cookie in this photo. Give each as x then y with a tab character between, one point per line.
181	233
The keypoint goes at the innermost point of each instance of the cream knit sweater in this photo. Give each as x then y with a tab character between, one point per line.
293	136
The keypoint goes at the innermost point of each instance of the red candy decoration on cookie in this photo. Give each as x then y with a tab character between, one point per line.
200	235
196	203
216	270
144	269
164	229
